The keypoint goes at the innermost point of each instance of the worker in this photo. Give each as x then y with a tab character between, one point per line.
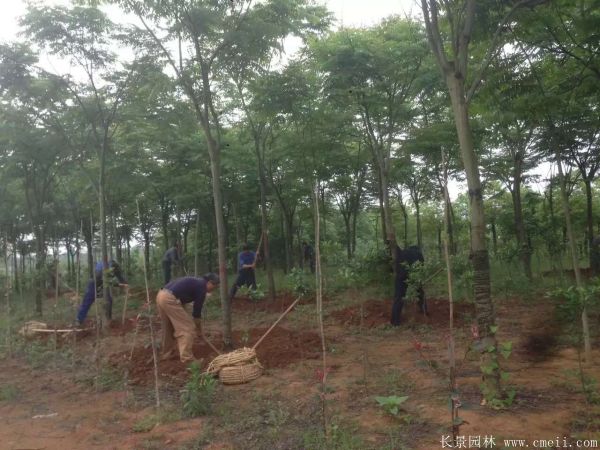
171	257
95	289
246	275
177	325
308	255
404	261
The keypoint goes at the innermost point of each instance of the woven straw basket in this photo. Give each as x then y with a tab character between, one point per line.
237	357
28	328
240	374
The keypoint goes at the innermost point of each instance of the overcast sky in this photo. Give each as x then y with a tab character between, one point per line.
348	12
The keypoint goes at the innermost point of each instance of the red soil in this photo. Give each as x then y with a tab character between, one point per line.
378	312
280	348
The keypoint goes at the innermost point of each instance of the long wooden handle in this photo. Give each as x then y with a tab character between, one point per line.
276	322
259	244
210	345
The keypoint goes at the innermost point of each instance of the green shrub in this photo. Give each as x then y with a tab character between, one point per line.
198	394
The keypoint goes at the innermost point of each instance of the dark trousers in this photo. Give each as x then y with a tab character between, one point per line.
311	263
246	277
88	300
400	288
167	270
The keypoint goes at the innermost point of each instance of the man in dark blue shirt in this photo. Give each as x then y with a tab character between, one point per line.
246	275
404	260
95	288
177	325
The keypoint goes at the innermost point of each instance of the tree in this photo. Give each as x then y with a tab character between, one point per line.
361	68
451	48
86	36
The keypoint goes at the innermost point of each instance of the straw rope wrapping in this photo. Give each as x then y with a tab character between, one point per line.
237	357
240	374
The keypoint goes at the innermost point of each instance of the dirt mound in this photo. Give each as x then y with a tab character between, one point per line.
280	348
281	303
378	312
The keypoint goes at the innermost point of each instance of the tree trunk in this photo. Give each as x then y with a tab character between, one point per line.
215	169
419	230
571	237
107	310
589	217
524	249
484	305
264	222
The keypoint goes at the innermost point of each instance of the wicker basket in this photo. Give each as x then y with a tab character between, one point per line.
28	328
241	373
235	358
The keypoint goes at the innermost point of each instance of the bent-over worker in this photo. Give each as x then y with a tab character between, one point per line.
405	260
95	288
177	325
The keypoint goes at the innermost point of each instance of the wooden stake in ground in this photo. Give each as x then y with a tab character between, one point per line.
149	307
571	236
454	398
319	295
8	294
125	305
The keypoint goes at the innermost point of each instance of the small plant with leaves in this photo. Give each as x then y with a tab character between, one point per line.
253	294
493	398
391	404
198	394
298	283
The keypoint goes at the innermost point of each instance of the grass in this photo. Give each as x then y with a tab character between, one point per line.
9	393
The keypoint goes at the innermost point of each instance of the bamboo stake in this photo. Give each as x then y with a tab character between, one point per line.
8	293
319	295
97	314
149	307
125	305
454	397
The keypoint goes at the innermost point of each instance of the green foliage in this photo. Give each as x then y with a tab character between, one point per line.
298	283
573	300
9	393
391	404
375	267
490	366
198	394
339	438
253	294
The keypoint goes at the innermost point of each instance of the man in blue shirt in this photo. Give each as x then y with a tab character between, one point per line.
246	275
177	325
95	288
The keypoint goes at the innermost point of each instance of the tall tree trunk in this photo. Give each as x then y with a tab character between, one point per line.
484	305
589	216
571	237
40	267
264	224
107	310
419	229
522	242
215	169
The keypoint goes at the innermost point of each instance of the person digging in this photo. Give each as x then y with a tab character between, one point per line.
177	325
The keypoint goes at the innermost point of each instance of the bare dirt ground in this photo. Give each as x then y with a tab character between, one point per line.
54	406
